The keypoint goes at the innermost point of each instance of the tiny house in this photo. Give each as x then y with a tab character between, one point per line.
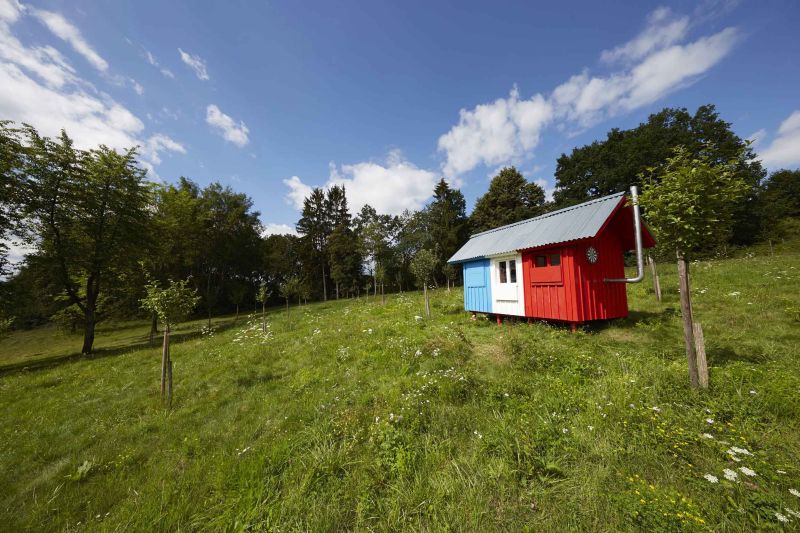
567	265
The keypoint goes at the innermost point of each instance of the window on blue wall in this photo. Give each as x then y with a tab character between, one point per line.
512	270
503	277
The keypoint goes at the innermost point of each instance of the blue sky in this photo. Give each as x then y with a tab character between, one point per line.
386	98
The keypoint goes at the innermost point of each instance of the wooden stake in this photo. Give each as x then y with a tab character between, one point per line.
164	354
169	381
686	312
700	348
656	281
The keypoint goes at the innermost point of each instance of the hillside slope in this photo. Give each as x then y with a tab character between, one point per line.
358	415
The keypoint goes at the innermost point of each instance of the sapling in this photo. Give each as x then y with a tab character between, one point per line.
689	204
263	296
422	266
172	305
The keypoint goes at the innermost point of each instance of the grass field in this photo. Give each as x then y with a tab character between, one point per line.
358	415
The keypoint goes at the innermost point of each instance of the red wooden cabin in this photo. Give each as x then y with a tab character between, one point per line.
573	267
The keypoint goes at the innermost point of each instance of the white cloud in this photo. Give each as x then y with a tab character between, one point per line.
548	189
231	131
39	87
158	143
654	64
756	137
298	191
494	133
278	229
662	30
154	62
196	63
64	29
784	150
390	186
137	87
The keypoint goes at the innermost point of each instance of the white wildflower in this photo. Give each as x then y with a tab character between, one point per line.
505	394
734	293
710	420
711	478
792	512
794	492
752	392
565	430
730	475
417	318
708	435
781	471
590	428
746	471
656	408
741	451
781	518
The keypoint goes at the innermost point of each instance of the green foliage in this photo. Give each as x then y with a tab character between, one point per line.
263	293
510	198
689	202
423	266
171	304
447	222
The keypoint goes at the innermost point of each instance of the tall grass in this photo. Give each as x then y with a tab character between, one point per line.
357	415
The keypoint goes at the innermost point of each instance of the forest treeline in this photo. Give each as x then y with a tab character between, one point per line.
100	229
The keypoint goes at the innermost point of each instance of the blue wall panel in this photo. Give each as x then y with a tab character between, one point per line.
477	286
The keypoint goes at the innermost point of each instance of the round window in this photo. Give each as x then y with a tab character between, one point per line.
591	255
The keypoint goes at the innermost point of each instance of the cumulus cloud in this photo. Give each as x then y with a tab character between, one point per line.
65	30
390	186
784	150
196	63
652	65
38	86
278	229
230	130
494	133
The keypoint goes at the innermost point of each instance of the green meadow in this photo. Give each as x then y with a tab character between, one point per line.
361	415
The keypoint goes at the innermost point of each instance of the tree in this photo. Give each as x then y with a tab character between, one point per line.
689	203
12	183
314	228
423	266
88	214
289	289
779	203
447	222
345	258
614	164
263	295
510	198
237	291
172	305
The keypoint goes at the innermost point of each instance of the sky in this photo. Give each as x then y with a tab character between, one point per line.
274	98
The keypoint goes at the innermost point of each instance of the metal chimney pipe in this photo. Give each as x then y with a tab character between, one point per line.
637	228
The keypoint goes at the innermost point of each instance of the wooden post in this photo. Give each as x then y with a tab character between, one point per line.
573	327
164	355
169	381
499	320
700	348
656	281
686	312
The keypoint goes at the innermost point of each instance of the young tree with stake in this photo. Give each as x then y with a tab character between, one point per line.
263	296
689	203
422	266
171	305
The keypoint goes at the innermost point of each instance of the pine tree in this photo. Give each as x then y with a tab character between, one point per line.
447	222
510	198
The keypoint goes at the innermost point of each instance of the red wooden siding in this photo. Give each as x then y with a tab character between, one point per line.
549	291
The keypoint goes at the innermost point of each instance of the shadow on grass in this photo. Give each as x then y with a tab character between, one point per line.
101	353
634	319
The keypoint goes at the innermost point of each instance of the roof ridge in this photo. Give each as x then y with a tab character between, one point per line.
550	214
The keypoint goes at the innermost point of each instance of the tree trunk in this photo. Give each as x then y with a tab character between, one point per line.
88	331
287	308
324	284
337	290
169	382
383	294
153	327
686	312
263	317
656	281
164	361
427	302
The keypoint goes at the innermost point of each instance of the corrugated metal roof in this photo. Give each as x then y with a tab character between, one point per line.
577	222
